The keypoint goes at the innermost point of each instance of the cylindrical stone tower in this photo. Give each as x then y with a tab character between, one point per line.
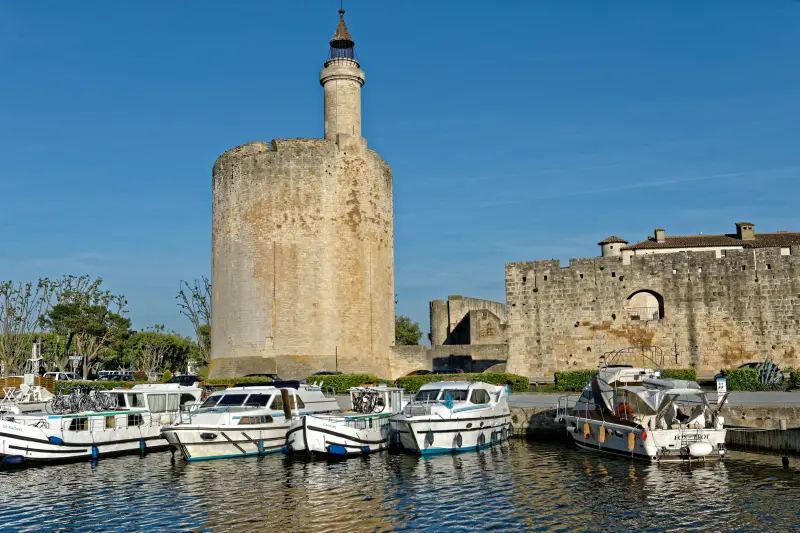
303	245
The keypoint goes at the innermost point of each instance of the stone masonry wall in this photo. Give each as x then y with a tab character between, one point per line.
451	321
302	258
717	312
474	358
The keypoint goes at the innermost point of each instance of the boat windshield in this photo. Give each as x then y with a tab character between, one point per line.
429	395
232	399
458	395
211	401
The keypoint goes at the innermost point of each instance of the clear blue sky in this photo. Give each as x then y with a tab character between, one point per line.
516	130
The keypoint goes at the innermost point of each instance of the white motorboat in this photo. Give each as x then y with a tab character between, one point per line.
453	416
246	420
79	426
633	412
25	399
363	430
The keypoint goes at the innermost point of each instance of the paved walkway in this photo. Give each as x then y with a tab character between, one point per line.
541	399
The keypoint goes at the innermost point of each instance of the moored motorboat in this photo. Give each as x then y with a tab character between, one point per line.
630	411
246	419
453	416
25	399
364	429
82	426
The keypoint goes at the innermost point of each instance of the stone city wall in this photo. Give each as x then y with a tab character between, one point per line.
705	312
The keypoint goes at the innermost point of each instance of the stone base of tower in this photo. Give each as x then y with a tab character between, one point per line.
295	366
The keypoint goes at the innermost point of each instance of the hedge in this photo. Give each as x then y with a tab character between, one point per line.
743	379
687	374
573	380
413	383
340	383
794	378
66	387
233	381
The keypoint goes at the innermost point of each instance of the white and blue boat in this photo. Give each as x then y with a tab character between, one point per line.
453	416
132	425
246	420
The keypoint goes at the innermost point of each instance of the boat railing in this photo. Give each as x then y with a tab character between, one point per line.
415	408
187	411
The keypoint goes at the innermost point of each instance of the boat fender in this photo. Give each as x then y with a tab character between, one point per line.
55	440
260	446
459	440
481	440
142	446
95	452
494	437
631	441
335	449
13	460
587	431
285	450
644	434
429	438
365	450
510	430
503	433
601	435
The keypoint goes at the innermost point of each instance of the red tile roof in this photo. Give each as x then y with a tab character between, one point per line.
762	240
613	239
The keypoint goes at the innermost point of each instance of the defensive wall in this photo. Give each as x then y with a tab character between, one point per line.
702	311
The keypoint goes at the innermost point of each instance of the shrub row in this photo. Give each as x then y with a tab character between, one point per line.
233	381
687	374
413	383
341	382
794	379
66	387
573	380
746	379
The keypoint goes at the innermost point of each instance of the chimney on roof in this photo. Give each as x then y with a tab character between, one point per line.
659	234
745	231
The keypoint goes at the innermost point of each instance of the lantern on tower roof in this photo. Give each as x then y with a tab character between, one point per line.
342	44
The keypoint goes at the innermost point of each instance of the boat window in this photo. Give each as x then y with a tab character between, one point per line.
172	402
258	399
459	395
277	403
429	395
79	424
263	419
158	403
292	399
110	422
232	399
479	396
586	397
186	398
118	398
211	401
136	400
135	419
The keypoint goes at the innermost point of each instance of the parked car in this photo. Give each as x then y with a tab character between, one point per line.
187	380
419	373
63	376
325	373
447	371
273	377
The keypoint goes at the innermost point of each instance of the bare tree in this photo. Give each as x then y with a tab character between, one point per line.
195	304
21	306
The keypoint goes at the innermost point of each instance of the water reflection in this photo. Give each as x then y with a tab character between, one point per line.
516	487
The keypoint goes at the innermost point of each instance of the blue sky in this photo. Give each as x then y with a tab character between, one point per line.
516	130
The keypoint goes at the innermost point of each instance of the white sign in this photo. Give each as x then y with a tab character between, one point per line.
75	357
722	388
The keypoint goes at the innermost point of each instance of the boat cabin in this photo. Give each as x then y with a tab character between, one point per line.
157	398
455	391
380	399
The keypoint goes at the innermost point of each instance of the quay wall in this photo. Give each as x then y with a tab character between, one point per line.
703	312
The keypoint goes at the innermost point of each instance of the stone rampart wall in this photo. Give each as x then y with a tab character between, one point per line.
714	312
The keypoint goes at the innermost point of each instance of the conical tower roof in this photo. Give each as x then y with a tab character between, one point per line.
342	43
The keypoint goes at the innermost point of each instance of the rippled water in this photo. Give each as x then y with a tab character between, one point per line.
520	486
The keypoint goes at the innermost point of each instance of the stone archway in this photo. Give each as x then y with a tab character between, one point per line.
644	305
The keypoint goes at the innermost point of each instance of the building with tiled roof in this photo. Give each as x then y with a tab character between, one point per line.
661	243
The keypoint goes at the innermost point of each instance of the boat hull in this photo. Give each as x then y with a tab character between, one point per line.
338	436
426	436
658	445
34	444
203	443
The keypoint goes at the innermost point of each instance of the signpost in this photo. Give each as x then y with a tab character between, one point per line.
75	359
722	389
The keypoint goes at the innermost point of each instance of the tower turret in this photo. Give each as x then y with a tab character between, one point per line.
341	79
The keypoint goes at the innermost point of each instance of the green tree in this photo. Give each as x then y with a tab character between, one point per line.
406	332
157	349
21	307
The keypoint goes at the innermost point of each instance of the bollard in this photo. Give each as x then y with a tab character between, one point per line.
785	461
782	424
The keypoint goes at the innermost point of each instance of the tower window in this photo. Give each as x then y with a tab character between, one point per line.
524	279
545	278
613	274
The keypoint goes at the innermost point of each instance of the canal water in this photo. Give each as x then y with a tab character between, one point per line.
519	486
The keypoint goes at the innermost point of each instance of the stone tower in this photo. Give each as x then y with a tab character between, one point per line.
303	244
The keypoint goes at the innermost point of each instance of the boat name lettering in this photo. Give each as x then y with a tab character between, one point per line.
6	426
692	436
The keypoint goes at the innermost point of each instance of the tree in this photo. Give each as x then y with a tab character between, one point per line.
406	332
21	307
195	304
90	319
157	349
